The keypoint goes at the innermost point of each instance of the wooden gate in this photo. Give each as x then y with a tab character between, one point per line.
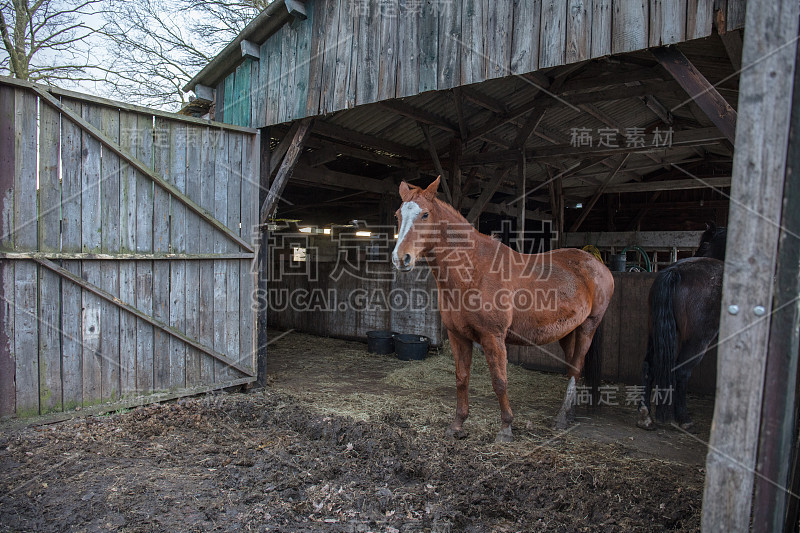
126	249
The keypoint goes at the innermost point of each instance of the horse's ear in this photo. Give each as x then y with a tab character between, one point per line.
405	191
430	192
710	226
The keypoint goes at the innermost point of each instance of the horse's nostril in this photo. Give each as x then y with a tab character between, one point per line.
406	259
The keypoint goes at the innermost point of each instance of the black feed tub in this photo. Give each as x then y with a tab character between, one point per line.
411	347
380	342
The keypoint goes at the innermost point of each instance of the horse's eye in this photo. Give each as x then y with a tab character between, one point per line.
424	216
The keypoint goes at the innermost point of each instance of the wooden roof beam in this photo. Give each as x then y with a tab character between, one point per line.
699	89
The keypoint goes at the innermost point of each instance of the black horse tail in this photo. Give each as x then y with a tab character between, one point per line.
592	365
662	343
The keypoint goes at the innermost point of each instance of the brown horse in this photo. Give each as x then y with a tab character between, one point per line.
493	295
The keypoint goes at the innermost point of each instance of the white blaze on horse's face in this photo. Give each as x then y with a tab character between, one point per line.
409	212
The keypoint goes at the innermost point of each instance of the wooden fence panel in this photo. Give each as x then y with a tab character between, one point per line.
107	272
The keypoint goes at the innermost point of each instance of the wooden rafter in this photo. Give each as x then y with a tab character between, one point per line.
699	89
436	162
596	196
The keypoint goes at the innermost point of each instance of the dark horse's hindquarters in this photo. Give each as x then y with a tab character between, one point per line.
684	320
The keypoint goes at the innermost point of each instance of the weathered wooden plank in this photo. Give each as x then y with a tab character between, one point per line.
735	15
243	75
667	22
127	270
370	20
272	89
318	13
525	36
195	151
387	66
229	99
305	34
26	335
247	269
408	48
289	64
552	36
474	32
219	289
629	26
331	36
260	87
205	309
109	270
429	46
177	284
230	319
161	243
71	357
91	226
7	165
699	18
759	172
49	241
448	67
601	28
579	30
256	114
144	243
499	30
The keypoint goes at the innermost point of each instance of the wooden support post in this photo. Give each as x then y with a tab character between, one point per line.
599	192
699	89
285	170
262	260
436	162
756	212
462	123
778	414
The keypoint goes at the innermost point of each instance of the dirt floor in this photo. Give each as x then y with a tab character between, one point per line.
342	440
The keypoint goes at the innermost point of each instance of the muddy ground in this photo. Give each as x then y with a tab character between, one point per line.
346	441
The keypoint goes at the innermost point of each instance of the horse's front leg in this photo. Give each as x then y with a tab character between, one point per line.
462	354
495	350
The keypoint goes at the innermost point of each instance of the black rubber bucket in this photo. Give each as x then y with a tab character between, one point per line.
411	347
380	342
617	263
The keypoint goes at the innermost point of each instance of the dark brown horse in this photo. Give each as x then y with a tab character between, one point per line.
493	295
684	320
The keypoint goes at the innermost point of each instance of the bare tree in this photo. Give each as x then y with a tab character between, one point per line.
156	46
46	40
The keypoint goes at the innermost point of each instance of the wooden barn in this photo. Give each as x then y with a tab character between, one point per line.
602	124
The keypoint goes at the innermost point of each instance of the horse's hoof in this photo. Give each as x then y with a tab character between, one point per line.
645	421
457	434
504	435
687	426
